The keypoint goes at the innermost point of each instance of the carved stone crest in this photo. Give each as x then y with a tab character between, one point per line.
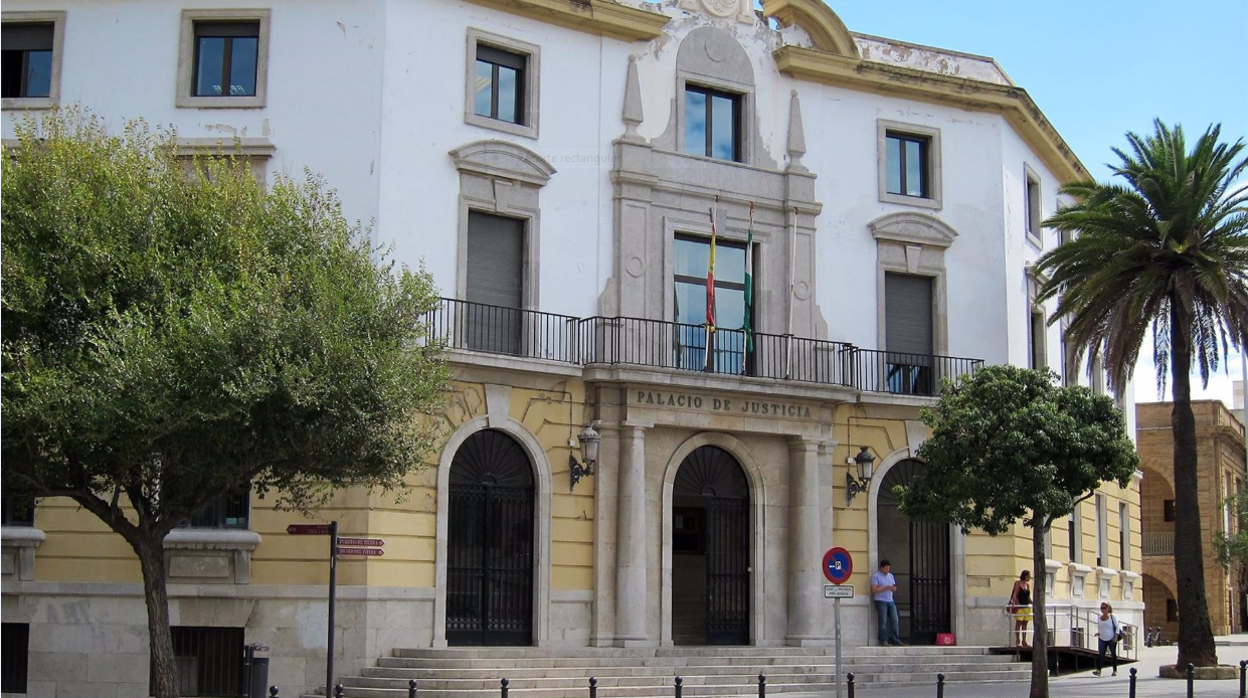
740	10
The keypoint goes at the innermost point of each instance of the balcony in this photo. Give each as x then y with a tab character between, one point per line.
1157	543
616	341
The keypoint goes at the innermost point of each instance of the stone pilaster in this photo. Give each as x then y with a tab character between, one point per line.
805	575
630	584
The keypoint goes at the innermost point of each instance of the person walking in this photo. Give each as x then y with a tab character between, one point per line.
1020	608
883	584
1108	633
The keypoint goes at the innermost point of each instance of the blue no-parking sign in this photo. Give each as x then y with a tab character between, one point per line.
837	565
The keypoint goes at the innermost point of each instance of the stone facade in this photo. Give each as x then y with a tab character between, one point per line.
1220	461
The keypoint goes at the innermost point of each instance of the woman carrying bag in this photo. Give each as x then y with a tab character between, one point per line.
1108	632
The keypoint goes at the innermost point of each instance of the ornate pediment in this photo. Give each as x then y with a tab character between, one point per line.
503	160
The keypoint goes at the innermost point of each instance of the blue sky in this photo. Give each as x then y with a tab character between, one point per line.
1097	69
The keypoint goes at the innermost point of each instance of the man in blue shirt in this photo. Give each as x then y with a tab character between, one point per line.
883	584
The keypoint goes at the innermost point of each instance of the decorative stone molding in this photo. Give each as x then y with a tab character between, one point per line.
503	160
1129	580
19	543
1104	576
1050	575
912	228
209	555
827	31
1078	579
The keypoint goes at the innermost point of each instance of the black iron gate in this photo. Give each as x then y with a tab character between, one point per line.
920	561
489	591
710	478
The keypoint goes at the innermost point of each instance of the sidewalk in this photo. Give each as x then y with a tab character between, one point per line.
1231	650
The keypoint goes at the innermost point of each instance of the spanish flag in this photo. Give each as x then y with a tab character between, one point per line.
710	280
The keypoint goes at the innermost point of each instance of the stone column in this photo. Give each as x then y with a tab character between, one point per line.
805	555
631	609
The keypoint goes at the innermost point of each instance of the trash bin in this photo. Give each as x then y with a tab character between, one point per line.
259	678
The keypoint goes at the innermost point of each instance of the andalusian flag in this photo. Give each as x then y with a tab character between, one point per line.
710	280
748	324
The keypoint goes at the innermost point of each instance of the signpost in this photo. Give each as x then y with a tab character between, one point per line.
368	547
838	565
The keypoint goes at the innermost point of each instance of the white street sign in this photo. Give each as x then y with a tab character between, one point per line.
838	591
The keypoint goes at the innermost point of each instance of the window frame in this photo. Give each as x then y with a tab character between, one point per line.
738	109
9	508
1124	537
188	53
1074	535
530	88
57	19
933	192
1033	207
1102	531
219	508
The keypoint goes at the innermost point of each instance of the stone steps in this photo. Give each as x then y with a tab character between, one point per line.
898	655
388	669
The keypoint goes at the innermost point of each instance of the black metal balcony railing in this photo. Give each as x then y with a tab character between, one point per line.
494	329
655	343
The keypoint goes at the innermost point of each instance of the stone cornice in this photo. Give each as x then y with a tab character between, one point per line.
1011	102
601	17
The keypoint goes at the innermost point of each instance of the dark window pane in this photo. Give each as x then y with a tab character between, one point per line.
243	66
724	128
208	67
695	123
508	94
15	648
892	163
914	169
481	89
11	70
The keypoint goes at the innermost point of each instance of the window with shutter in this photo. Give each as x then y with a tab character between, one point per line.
495	283
908	333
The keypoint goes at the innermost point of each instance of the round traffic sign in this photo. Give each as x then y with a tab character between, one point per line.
837	565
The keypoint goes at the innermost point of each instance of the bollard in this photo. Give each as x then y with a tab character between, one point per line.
1131	683
849	681
338	691
593	687
1243	669
679	682
762	685
411	689
1191	679
272	691
940	686
504	684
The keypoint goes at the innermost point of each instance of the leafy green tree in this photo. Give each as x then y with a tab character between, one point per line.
1008	445
1231	547
1166	251
173	334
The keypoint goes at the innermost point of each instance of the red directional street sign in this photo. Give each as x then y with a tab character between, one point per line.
368	552
308	529
361	541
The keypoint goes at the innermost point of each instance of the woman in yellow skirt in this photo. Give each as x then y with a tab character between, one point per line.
1020	608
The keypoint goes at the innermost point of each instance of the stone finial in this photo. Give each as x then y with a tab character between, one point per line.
632	113
797	136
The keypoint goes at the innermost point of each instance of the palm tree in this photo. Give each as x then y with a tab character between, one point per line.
1166	252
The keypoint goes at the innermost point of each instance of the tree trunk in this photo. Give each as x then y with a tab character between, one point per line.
1040	639
150	548
1196	644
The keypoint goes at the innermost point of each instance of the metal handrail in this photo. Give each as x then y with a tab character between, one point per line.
494	329
1075	626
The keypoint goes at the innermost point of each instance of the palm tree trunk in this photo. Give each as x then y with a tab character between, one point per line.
1039	639
1196	644
151	551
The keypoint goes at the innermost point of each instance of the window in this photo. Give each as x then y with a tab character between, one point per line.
229	511
224	58
1032	208
909	164
209	661
18	511
1035	339
908	334
1167	511
502	84
15	650
30	59
1124	538
1074	533
495	283
691	257
712	123
1102	547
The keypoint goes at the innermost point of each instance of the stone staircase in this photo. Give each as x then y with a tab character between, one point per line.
650	672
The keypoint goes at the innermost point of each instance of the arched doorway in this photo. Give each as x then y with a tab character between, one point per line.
919	552
489	571
710	550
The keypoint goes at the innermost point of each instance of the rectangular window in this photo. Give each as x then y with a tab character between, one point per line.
1032	206
15	650
1102	542
26	60
495	283
908	334
712	123
208	661
1167	511
692	255
1124	538
1074	536
498	87
228	511
18	511
225	59
908	169
1035	339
